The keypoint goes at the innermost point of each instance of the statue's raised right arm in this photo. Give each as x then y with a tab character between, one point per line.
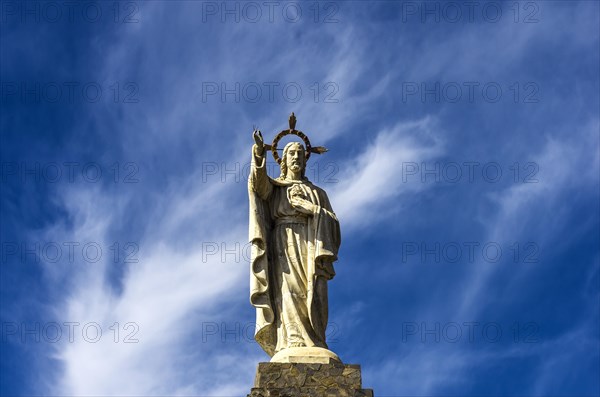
259	179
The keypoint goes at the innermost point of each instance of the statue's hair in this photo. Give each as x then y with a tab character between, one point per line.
283	164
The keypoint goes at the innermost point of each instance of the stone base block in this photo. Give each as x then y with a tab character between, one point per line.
308	380
311	355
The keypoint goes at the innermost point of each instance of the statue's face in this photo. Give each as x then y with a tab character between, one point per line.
295	157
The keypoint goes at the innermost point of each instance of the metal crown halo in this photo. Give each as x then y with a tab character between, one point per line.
293	131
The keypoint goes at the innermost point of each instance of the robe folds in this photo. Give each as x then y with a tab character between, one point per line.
291	260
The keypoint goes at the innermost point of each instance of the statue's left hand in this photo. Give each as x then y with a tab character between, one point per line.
304	206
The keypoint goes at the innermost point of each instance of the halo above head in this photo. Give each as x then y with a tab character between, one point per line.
292	131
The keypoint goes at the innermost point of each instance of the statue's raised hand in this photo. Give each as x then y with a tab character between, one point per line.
260	143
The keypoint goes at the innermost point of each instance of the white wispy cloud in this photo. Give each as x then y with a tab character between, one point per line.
160	296
564	165
377	177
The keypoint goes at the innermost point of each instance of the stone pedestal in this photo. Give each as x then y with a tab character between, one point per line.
308	380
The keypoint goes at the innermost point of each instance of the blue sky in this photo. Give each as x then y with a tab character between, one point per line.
463	166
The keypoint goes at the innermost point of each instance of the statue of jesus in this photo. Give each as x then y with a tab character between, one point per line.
295	238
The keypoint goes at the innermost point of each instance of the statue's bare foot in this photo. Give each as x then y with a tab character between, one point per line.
297	344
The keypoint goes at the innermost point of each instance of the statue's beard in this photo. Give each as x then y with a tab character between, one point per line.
295	167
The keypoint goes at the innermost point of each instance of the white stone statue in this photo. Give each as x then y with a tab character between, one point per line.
295	238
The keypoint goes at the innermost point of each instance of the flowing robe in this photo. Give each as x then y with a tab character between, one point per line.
291	261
